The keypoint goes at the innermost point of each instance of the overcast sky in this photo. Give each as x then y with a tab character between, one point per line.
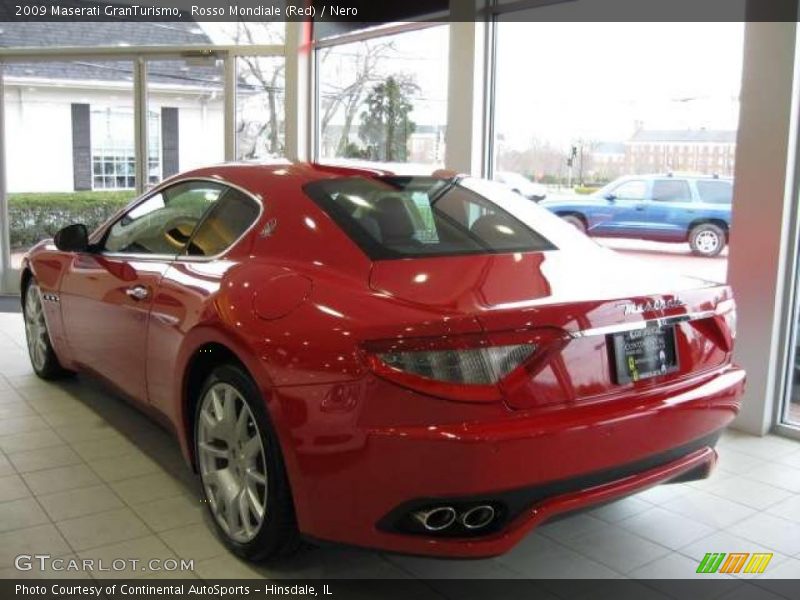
561	81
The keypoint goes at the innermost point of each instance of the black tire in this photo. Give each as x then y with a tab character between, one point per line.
707	239
43	359
278	534
576	222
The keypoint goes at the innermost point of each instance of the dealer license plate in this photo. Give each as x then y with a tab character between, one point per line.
644	353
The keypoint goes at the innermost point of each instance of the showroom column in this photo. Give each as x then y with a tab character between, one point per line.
5	250
141	150
300	117
466	137
229	107
761	207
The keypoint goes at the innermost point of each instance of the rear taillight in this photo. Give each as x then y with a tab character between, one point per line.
481	366
473	368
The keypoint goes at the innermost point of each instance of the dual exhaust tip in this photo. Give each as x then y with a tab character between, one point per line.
441	518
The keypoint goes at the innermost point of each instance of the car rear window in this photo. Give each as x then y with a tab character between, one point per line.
715	192
402	217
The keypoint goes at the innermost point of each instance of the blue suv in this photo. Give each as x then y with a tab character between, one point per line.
662	208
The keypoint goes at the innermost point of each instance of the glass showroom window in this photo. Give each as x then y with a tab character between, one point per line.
385	99
52	117
186	128
789	415
578	105
260	107
791	410
113	154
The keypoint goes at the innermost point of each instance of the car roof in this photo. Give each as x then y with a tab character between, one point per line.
302	172
676	176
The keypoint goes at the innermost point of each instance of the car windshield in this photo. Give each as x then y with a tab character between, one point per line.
401	217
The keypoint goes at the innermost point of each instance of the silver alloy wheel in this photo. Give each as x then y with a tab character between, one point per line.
706	241
35	327
232	462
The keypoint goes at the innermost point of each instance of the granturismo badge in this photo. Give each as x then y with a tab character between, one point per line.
633	308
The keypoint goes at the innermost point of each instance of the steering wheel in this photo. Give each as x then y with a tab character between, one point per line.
178	231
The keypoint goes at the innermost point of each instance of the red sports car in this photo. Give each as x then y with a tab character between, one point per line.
431	365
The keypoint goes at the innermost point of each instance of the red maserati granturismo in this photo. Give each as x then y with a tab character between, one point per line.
430	365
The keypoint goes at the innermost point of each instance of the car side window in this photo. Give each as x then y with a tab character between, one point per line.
164	223
671	190
715	192
225	223
631	190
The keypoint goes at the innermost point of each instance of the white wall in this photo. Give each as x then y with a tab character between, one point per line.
201	130
39	131
38	140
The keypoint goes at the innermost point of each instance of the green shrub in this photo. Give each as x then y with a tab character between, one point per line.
36	216
585	189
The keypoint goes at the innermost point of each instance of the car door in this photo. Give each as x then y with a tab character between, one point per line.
621	208
107	294
670	210
193	277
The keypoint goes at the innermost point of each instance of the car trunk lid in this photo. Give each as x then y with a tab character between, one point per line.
587	297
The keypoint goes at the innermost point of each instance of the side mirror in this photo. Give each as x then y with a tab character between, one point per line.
72	238
610	197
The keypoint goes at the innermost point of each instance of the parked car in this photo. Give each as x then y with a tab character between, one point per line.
522	185
662	208
418	364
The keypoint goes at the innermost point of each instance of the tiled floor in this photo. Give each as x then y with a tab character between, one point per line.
84	475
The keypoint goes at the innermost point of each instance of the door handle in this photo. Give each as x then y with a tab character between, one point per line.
137	292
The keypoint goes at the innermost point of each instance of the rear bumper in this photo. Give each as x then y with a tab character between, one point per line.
350	482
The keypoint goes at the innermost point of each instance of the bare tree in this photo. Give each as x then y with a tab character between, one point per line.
341	97
266	78
346	94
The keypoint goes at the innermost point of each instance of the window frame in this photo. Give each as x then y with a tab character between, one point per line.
101	234
118	154
371	33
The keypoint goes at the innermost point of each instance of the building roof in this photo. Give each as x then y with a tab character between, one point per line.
685	136
128	33
29	34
